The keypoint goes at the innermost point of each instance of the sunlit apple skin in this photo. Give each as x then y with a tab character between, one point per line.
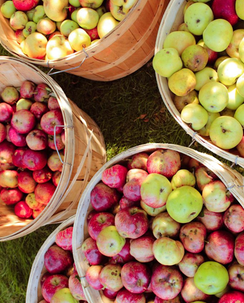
98	222
135	276
9	178
203	176
51	119
44	192
166	282
239	248
220	246
64	238
92	276
91	252
212	220
26	182
189	264
25	5
234	218
23	121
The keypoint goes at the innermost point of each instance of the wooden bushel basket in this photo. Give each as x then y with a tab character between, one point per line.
172	18
231	178
85	154
118	54
33	292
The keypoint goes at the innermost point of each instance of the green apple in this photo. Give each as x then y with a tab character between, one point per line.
91	3
74	15
23	103
79	39
218	34
205	75
152	211
233	48
239	114
239	9
211	277
182	82
87	18
38	13
180	40
195	115
195	57
155	190
240	85
56	10
7	9
184	204
30	28
166	62
219	60
197	16
226	132
183	177
106	24
235	99
75	3
241	50
213	96
63	295
67	26
205	130
18	20
164	226
229	70
168	251
109	241
181	101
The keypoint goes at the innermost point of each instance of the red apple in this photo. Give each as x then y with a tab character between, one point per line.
26	183
22	210
239	248
138	161
125	296
42	175
27	87
6	112
75	287
110	277
52	103
191	293
192	236
164	161
131	222
232	296
92	276
9	178
38	109
236	276
114	176
56	177
6	155
125	202
132	187
59	142
37	139
37	212
124	255
42	92
17	157
141	248
23	121
190	263
220	246
166	282
109	293
98	221
44	192
11	196
64	238
25	5
135	276
234	218
16	138
212	220
34	159
204	176
91	252
52	284
93	33
3	132
52	120
103	197
54	163
57	259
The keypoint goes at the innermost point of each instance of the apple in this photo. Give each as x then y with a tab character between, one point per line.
197	16
27	89
87	18
42	175
229	70
238	248
182	82
30	200
34	46
192	236
38	109
23	104
168	251
16	138
53	103
63	295
131	222
56	177
54	162
235	99
190	293
91	252
155	190
195	57
227	11
26	183
98	221
125	296
64	238
232	297
37	139
23	121
211	219
236	273
103	197
142	248
18	20
138	160
25	5
109	241
34	159
79	39
22	210
204	176
17	157
51	284
194	115
164	226
211	277
3	132
109	293
10	94
135	276
7	150
183	177
190	263
220	246
152	211
9	178
11	196
110	277
30	28
75	287
125	202
167	61
59	145
204	76
233	218
166	282
114	176
184	204
106	24
44	192
7	9
58	47
45	26
216	196
92	276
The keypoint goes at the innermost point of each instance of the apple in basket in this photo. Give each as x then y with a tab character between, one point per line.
52	284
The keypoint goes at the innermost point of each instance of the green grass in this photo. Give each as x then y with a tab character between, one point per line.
129	112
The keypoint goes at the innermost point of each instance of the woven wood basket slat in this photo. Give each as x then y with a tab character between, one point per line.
121	52
84	142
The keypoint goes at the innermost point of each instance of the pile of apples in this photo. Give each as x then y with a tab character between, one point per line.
203	61
164	228
61	283
53	29
30	161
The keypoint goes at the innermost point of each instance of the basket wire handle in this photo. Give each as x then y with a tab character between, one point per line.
50	73
55	141
193	139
